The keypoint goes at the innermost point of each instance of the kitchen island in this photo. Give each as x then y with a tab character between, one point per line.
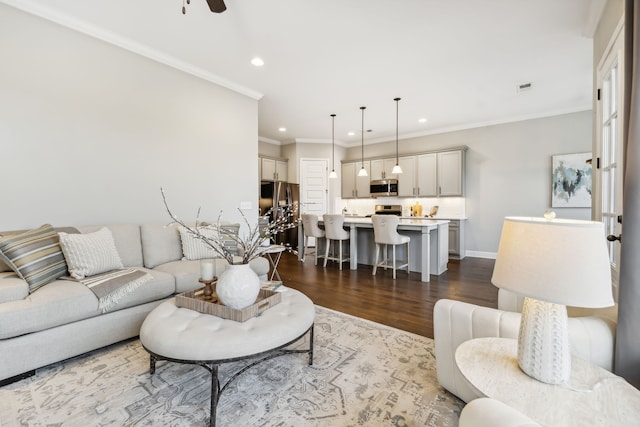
429	245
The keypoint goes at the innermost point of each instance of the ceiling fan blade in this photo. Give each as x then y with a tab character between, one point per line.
217	6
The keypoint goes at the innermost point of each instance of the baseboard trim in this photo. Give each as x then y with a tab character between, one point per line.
479	254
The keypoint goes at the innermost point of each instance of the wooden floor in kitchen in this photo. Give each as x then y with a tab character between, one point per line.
405	303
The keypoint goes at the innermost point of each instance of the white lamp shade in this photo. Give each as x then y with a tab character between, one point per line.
333	174
363	172
559	261
396	169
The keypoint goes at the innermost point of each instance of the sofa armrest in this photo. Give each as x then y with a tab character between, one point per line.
485	412
12	287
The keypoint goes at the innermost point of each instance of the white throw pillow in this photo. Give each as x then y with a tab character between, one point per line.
91	253
194	248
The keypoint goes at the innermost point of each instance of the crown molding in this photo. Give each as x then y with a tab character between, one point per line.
476	125
128	44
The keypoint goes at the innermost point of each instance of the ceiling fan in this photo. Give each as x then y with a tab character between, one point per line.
216	6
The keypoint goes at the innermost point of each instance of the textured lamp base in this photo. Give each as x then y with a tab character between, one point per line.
543	342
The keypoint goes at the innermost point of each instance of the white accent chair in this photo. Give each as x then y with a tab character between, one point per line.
591	335
385	232
310	229
334	233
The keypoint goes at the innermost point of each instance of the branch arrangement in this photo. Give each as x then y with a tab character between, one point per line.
250	246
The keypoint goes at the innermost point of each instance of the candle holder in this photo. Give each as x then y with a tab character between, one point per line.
208	288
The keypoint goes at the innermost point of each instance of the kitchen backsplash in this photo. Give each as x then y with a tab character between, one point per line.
448	207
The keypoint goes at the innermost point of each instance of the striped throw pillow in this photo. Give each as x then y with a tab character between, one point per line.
34	255
91	253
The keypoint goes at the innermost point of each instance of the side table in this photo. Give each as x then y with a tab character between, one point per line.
593	396
274	253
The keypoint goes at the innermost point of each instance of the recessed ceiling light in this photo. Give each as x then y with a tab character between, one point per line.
422	120
282	129
257	61
351	133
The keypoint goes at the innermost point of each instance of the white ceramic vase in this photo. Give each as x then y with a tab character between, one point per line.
238	286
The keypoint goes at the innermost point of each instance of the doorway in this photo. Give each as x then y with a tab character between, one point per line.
609	151
313	187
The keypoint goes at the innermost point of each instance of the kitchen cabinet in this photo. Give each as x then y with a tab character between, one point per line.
407	180
381	168
274	169
450	173
456	239
354	186
427	176
432	175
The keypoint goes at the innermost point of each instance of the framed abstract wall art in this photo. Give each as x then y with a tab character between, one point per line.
571	180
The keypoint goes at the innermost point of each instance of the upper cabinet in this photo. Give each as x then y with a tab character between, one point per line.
273	169
432	174
354	186
451	173
381	168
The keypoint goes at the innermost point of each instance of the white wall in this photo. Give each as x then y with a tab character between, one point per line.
89	133
508	169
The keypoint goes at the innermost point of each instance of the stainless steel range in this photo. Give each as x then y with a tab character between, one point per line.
388	210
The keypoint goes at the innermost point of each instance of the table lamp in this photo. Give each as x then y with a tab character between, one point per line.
553	263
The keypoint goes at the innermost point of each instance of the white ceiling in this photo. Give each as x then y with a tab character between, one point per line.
455	62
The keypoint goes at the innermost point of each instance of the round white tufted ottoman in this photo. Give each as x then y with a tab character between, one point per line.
186	336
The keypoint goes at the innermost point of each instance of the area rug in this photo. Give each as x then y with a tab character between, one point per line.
364	374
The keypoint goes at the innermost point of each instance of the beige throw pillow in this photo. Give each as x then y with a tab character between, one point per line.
90	254
194	248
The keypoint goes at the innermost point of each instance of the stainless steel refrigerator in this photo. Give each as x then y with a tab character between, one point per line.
274	196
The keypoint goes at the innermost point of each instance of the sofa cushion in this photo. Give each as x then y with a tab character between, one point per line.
127	238
187	272
66	301
60	302
160	244
35	255
12	287
91	253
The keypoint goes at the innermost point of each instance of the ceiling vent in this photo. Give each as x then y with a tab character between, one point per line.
525	87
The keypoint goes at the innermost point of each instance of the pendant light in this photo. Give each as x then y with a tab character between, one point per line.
396	169
363	171
333	173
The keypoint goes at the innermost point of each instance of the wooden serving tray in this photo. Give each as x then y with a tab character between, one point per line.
194	300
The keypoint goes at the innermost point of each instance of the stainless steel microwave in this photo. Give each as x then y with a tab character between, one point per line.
383	187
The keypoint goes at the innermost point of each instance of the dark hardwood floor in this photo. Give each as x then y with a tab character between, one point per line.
405	303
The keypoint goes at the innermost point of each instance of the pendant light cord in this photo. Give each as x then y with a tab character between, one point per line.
397	103
362	135
333	143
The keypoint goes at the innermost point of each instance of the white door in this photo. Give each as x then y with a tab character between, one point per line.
609	156
313	187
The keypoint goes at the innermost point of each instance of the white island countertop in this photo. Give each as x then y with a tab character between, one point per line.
404	221
429	242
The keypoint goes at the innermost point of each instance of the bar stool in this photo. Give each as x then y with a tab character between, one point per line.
385	232
334	233
310	229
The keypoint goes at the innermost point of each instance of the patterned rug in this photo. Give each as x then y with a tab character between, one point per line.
364	374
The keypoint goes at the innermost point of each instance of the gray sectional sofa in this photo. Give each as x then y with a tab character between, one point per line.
61	319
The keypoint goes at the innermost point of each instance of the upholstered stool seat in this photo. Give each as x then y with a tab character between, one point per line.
310	229
186	336
335	234
385	232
